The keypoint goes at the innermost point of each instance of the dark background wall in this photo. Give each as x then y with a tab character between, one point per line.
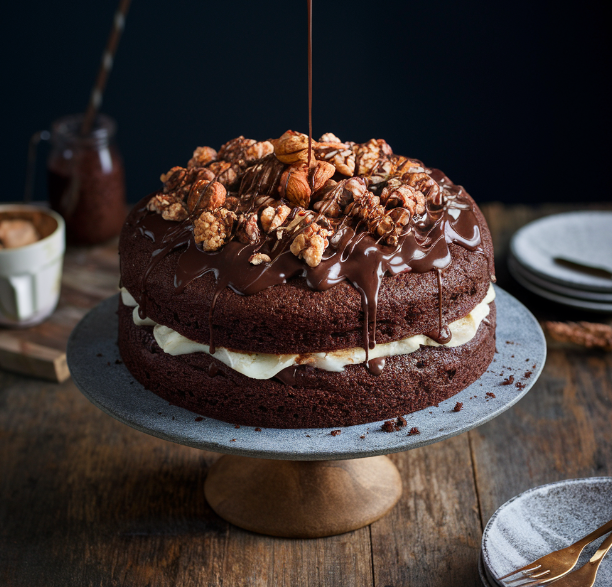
511	99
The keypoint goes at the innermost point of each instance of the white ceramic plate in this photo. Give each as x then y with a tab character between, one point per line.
582	237
564	290
591	306
545	519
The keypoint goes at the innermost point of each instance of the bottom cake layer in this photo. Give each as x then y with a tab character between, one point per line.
315	398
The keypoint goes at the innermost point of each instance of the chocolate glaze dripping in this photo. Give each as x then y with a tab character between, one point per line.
443	335
352	256
376	366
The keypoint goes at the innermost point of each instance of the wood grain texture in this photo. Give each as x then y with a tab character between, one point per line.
432	537
87	501
302	499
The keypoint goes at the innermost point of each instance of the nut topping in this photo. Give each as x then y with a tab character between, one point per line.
202	156
259	258
173	179
273	217
251	189
311	243
247	231
298	182
291	147
234	151
294	185
329	137
369	154
258	151
399	194
225	172
213	229
263	177
206	195
320	173
333	198
170	207
426	185
391	225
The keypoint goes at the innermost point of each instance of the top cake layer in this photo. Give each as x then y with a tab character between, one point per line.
362	246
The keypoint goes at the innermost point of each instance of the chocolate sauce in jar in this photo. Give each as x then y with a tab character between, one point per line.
85	180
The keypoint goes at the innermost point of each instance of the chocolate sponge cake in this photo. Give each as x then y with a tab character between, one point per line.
285	285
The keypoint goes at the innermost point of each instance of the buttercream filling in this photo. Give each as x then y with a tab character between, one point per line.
266	365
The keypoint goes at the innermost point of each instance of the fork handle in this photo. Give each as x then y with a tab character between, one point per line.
602	550
607	527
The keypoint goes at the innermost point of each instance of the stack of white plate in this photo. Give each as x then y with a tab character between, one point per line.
545	519
566	258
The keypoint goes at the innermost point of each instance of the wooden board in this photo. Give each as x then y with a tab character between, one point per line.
90	275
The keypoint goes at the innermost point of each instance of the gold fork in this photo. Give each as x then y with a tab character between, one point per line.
585	576
555	565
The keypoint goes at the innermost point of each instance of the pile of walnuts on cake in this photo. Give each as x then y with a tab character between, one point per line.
252	190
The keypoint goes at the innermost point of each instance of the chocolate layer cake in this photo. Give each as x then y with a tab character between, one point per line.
285	285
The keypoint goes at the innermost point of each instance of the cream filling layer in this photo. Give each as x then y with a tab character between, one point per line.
266	366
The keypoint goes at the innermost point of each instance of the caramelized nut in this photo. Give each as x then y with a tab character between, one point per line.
247	231
273	217
292	147
202	156
259	258
234	151
173	179
169	206
329	137
213	229
311	243
426	184
294	185
399	194
258	151
206	195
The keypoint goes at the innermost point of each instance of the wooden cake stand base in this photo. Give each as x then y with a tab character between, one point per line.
302	499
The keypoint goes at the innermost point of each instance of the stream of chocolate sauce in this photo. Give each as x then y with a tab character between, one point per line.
309	81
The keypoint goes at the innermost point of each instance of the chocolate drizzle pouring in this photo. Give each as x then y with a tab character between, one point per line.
352	255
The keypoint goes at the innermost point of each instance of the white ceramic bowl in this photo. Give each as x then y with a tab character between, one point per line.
30	276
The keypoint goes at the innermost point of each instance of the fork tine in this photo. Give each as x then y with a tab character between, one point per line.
542	574
525	569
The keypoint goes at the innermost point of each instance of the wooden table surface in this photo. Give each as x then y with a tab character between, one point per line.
85	500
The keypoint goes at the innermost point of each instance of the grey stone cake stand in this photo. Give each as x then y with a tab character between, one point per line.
303	482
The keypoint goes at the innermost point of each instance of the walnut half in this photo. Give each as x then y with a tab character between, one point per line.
169	206
311	243
214	229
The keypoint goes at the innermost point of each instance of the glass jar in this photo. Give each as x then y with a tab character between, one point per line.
85	179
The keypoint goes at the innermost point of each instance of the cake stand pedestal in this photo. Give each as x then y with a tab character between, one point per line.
303	483
302	499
